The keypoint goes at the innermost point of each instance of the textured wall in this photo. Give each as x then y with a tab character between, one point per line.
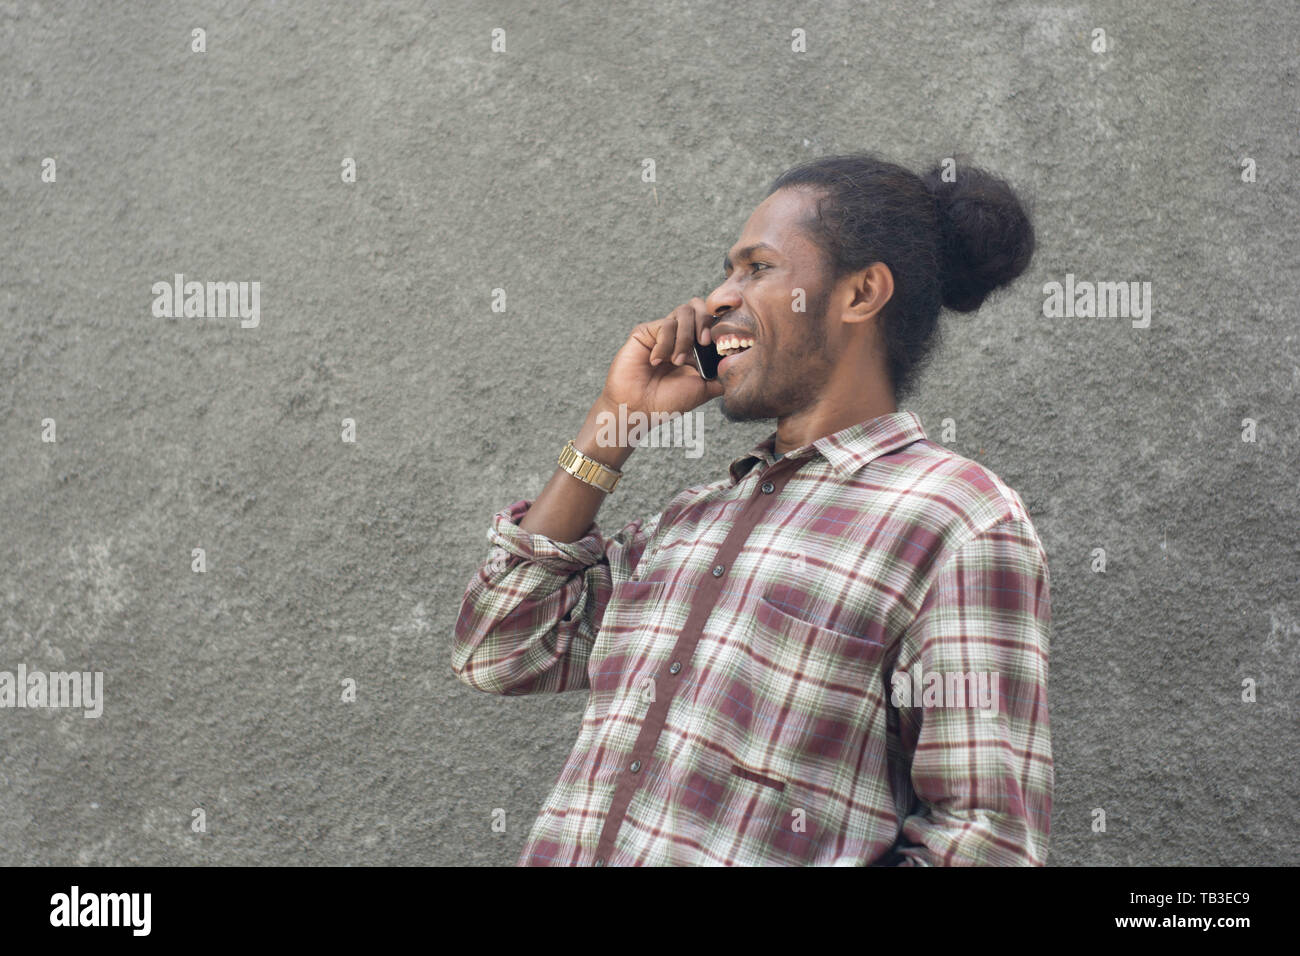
521	170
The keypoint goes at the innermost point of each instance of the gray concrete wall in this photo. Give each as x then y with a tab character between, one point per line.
522	170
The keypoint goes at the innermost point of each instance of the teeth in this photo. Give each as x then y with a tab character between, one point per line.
733	343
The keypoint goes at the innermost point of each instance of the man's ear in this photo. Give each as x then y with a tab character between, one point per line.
872	289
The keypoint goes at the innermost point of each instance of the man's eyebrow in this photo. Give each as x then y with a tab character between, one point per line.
745	254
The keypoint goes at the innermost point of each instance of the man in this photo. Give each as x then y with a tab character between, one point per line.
836	654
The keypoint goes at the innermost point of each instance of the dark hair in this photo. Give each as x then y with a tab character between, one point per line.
947	243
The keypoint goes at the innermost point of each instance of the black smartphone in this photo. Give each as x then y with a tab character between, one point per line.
706	360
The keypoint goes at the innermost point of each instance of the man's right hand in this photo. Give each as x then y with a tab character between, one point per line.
644	375
567	506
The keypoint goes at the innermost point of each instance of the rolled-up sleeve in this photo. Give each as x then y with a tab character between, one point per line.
530	614
980	770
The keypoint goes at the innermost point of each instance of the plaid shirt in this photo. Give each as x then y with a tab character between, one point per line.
838	657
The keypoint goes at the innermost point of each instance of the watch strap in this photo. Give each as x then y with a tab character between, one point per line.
588	469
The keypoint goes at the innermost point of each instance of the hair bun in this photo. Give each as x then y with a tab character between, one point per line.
986	236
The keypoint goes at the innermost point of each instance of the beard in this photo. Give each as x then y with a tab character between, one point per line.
788	378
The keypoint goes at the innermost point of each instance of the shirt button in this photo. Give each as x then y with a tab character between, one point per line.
717	570
636	765
676	668
768	487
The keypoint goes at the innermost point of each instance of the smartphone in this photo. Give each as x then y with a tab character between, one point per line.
706	360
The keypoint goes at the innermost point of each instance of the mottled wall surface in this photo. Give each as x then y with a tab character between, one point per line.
329	561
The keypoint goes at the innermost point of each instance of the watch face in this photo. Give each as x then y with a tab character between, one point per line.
706	360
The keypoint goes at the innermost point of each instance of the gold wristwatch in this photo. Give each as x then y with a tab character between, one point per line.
588	469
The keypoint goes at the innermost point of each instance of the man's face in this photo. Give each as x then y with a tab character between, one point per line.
786	369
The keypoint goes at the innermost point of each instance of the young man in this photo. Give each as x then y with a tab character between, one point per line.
837	653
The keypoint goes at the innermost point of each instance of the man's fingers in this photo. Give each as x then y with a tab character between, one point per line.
685	334
665	339
676	334
703	320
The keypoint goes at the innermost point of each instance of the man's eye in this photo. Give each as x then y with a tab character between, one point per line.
752	265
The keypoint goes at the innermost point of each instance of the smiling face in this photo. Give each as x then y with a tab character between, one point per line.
790	363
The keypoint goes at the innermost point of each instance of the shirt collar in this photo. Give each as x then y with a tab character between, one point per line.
846	450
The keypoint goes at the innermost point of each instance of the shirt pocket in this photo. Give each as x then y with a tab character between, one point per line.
619	649
808	709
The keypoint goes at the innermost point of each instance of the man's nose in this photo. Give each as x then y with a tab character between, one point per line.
719	303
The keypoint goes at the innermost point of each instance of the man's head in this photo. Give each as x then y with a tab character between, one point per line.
839	276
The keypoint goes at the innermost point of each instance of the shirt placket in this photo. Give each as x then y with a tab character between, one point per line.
636	764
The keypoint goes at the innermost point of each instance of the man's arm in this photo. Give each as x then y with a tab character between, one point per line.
529	618
567	505
530	615
983	775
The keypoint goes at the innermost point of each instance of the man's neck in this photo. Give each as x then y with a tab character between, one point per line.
796	431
